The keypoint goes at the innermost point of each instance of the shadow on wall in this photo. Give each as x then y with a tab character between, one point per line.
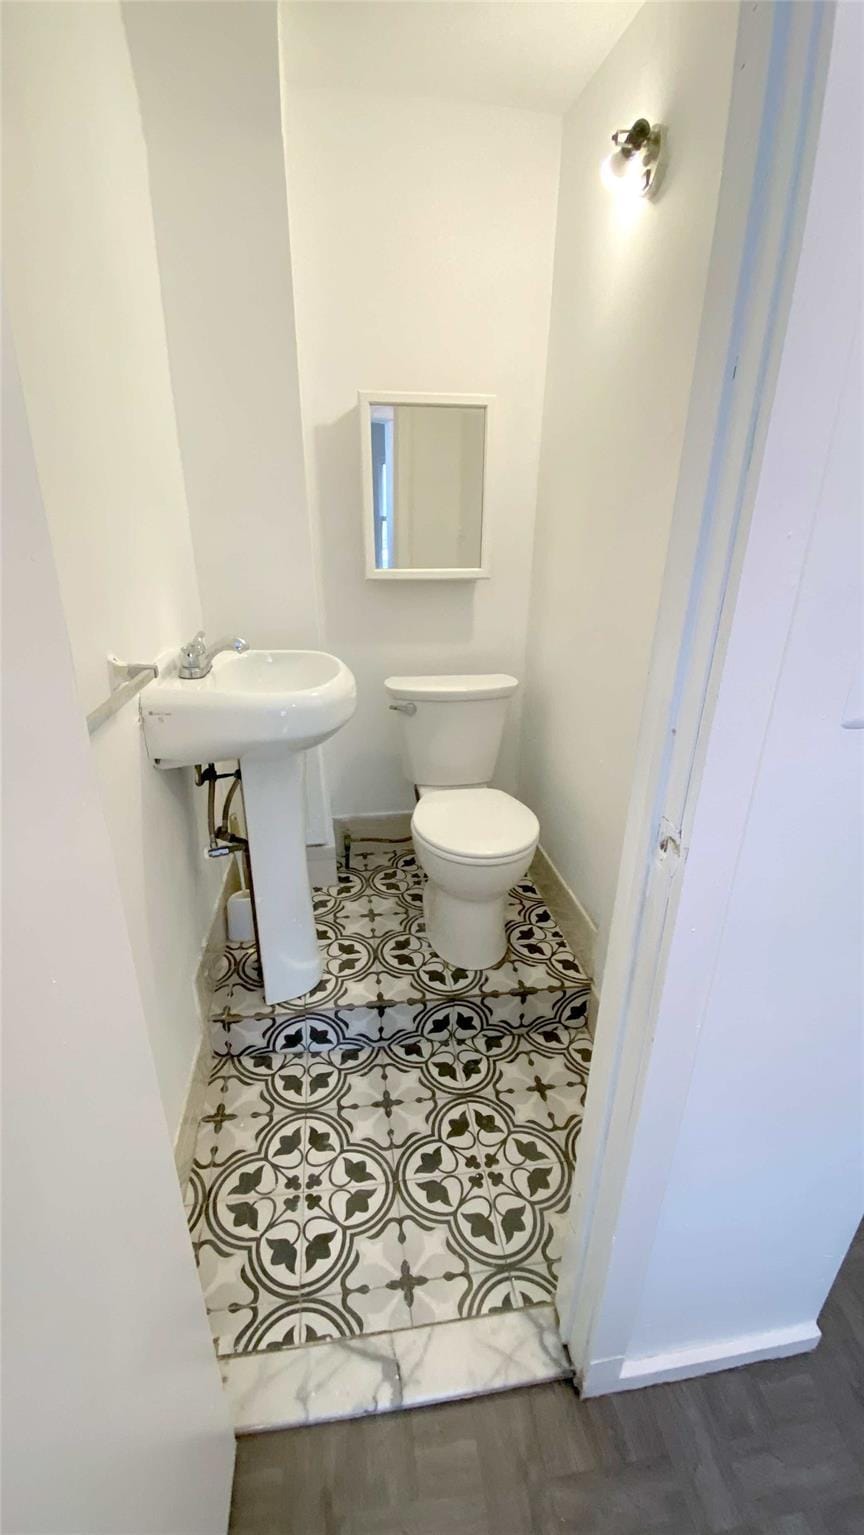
170	890
173	936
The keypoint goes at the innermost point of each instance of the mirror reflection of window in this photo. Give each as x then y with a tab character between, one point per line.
427	485
382	483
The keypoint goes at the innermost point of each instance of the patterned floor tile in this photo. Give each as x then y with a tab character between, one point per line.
387	1124
441	1299
395	1149
228	1290
383	1082
223	1135
444	1250
370	1308
278	1323
376	952
429	1155
525	1073
282	1324
532	1287
559	1114
531	1165
258	1084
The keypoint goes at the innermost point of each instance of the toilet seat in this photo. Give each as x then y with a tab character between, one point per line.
482	826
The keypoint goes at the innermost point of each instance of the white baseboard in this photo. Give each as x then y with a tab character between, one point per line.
572	918
605	1376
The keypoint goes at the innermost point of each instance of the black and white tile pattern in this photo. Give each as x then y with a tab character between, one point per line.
376	953
393	1153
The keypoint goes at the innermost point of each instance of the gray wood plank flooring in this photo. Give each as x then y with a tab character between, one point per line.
772	1449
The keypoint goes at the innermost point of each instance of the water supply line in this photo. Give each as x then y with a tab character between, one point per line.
223	842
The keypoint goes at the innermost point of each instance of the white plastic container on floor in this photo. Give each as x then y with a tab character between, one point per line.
241	926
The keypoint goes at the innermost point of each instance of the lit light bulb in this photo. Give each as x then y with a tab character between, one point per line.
623	174
632	169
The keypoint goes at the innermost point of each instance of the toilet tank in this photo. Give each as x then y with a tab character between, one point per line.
451	726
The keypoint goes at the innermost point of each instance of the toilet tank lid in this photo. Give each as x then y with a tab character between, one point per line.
439	689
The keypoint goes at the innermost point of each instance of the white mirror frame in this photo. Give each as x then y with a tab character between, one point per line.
366	398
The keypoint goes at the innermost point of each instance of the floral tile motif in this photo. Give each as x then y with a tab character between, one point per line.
376	953
396	1149
370	1187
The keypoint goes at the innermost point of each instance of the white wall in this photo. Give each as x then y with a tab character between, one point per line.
85	306
422	235
766	1183
626	308
208	80
113	1417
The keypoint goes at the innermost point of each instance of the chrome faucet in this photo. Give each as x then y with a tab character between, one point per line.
196	658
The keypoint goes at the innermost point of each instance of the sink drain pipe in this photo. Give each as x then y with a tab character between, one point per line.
223	842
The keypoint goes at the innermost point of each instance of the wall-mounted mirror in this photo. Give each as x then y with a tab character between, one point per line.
424	468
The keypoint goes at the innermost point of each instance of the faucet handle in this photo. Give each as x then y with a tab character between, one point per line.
194	647
193	655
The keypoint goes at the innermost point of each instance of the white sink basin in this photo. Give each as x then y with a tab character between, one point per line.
264	707
264	701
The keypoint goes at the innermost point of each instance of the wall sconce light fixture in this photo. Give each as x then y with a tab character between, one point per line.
634	166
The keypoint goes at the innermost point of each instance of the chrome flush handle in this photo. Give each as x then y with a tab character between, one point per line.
405	707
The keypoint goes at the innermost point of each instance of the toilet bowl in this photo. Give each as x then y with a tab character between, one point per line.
472	842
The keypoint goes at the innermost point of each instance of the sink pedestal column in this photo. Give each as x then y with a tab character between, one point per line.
276	824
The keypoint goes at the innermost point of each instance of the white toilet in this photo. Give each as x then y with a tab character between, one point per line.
473	842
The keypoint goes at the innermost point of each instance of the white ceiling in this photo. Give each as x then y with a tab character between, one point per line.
537	54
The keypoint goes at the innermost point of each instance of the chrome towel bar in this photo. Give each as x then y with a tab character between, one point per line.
127	679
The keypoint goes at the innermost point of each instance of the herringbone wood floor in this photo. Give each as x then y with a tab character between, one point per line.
773	1449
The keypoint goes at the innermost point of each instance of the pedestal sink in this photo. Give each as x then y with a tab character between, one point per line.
265	708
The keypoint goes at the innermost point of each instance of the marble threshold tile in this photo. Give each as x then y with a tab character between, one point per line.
383	1372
